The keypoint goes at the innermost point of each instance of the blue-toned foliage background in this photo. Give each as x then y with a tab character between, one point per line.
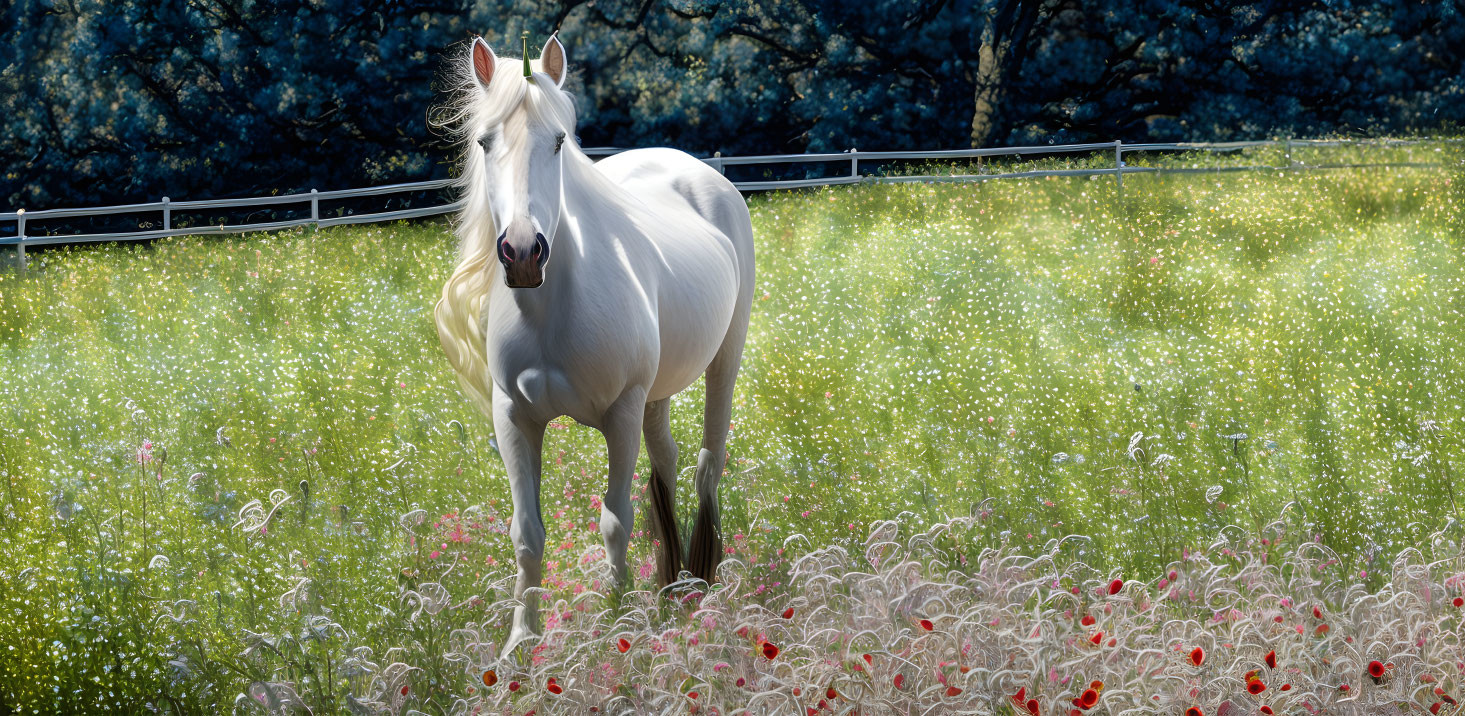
118	100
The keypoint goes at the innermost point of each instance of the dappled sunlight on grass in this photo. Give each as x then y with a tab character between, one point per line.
235	463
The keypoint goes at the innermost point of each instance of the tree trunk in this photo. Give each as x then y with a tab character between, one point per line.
989	85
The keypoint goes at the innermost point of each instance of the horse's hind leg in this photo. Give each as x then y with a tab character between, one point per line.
520	442
662	512
706	546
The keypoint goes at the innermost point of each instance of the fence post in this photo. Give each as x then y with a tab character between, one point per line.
718	157
854	163
315	208
167	215
20	234
1119	166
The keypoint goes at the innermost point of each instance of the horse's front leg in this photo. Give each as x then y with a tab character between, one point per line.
621	426
520	441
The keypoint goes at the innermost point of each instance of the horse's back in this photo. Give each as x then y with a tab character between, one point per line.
661	175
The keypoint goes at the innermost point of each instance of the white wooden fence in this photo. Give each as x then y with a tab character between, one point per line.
165	208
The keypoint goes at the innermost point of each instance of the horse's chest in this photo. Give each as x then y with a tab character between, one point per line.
576	369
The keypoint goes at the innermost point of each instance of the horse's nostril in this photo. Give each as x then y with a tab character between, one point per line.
536	248
508	252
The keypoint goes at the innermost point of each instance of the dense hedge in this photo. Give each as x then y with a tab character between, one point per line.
116	100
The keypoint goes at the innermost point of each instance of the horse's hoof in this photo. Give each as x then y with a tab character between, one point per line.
517	636
706	548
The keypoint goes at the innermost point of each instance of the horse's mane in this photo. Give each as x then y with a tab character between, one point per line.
472	110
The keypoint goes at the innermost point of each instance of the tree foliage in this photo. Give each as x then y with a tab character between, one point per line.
121	100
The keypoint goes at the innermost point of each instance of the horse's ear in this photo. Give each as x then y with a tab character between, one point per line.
552	60
484	62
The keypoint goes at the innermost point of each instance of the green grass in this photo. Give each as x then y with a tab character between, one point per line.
1035	349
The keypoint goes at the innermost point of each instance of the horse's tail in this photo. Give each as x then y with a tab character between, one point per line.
459	315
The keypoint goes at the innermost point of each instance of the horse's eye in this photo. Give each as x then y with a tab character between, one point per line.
559	139
486	141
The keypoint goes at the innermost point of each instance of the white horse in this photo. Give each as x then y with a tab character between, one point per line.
596	291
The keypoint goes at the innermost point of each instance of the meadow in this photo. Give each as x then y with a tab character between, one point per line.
239	475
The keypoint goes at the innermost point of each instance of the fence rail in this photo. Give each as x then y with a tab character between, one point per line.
166	207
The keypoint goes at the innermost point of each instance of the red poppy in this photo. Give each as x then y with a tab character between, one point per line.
513	686
927	625
692	695
1255	687
490	677
404	691
1020	696
1317	613
952	691
1033	707
623	645
1097	638
1097	685
1115	586
788	613
769	650
1194	711
741	681
1286	687
1197	656
1322	628
1271	659
1345	687
1088	698
1376	670
1434	708
1459	601
831	694
899	679
1087	620
1266	710
554	688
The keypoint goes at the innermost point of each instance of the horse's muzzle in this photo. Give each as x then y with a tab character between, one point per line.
523	269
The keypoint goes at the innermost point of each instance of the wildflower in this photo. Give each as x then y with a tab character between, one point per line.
1087	699
1194	711
927	625
1087	620
1459	601
1255	687
1197	655
1097	638
769	650
404	690
513	686
788	613
623	645
952	691
899	679
1115	586
1271	659
490	677
553	688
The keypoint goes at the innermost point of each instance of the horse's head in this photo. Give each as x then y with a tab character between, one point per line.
520	126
